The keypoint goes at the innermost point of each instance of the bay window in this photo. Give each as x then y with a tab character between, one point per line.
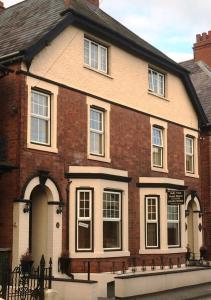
112	220
173	225
152	222
84	220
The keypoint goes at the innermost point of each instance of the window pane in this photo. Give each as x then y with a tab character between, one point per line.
173	234
86	52
155	82
84	235
94	56
157	156
96	120
150	80
111	206
189	146
157	137
103	59
96	143
43	131
173	212
111	234
152	235
34	129
189	163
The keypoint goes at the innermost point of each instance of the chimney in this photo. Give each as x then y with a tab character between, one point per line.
1	6
202	48
67	3
94	2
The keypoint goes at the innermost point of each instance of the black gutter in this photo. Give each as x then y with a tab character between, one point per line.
103	176
162	185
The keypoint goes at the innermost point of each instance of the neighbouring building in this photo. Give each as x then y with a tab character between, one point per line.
104	131
200	73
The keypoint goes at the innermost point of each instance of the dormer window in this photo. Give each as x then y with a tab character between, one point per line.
156	82
95	56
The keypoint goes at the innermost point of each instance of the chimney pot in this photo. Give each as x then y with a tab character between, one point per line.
1	6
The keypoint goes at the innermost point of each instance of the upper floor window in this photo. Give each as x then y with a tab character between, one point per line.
157	147
189	154
152	222
40	118
156	82
84	220
95	55
173	225
111	220
97	132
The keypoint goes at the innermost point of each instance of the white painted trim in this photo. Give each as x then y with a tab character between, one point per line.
95	102
31	83
98	170
195	135
164	125
21	225
189	198
161	180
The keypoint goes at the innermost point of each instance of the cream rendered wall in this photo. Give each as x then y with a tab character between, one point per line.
127	82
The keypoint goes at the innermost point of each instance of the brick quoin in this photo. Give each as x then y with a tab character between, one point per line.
130	150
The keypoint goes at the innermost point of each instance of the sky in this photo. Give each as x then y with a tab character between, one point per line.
169	25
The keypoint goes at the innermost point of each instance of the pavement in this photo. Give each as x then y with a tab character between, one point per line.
197	292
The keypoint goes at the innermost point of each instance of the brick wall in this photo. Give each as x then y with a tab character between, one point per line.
130	150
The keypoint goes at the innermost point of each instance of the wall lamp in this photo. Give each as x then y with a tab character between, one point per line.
27	207
59	210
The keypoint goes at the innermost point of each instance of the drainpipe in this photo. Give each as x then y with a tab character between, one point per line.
68	214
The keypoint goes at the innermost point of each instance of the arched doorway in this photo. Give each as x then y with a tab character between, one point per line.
194	225
39	228
38	224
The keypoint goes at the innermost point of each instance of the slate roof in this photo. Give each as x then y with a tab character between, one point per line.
23	24
200	75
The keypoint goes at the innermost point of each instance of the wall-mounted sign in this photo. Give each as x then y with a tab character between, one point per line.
85	225
176	197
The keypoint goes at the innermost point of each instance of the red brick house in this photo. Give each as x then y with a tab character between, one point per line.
92	119
200	72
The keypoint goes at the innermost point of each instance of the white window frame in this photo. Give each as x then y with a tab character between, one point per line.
192	154
99	61
41	117
159	87
175	222
155	221
161	130
99	132
81	219
119	219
